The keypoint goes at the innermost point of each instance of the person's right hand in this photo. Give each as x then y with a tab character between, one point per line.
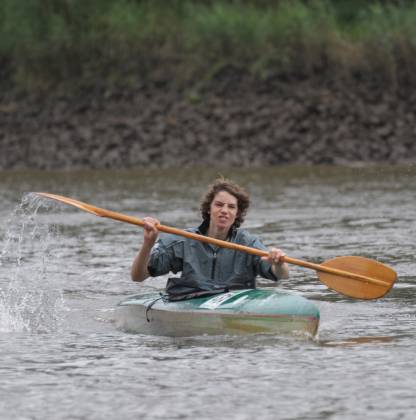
151	231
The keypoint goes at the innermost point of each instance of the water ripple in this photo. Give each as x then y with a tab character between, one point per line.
63	271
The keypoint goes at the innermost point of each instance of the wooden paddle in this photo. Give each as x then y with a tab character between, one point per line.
352	276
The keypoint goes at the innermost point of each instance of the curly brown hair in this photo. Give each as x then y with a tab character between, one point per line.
223	184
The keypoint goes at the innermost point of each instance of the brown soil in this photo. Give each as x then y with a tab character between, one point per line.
240	124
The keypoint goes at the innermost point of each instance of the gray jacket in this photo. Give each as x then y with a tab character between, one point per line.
205	267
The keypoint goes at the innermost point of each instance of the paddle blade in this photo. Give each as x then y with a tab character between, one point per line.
354	287
83	206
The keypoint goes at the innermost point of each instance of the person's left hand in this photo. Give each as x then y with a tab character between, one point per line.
275	257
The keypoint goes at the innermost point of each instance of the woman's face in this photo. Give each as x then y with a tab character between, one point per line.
223	210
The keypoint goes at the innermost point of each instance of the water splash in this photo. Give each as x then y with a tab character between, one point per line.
30	298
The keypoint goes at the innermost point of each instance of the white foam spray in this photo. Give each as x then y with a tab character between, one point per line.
31	299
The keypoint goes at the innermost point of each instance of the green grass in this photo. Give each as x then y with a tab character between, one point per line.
48	44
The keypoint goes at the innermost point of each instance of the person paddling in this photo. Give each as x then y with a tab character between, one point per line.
206	269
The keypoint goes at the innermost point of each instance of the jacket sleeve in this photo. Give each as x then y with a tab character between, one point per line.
166	256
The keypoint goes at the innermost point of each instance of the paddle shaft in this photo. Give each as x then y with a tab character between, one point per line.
224	244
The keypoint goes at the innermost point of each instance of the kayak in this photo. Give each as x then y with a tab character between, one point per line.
236	312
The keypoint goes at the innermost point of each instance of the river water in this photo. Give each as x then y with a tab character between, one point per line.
62	271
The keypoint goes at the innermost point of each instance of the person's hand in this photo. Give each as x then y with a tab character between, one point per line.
275	257
151	231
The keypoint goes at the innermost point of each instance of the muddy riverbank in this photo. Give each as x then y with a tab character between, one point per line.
239	123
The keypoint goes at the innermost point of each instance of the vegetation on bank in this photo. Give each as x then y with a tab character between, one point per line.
46	44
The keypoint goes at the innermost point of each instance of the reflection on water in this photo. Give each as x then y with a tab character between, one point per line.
63	271
352	341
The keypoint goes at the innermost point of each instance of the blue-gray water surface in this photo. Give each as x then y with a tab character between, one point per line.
62	272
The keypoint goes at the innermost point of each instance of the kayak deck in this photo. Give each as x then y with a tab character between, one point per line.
232	313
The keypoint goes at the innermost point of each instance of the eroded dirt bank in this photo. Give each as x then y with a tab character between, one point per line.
238	125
